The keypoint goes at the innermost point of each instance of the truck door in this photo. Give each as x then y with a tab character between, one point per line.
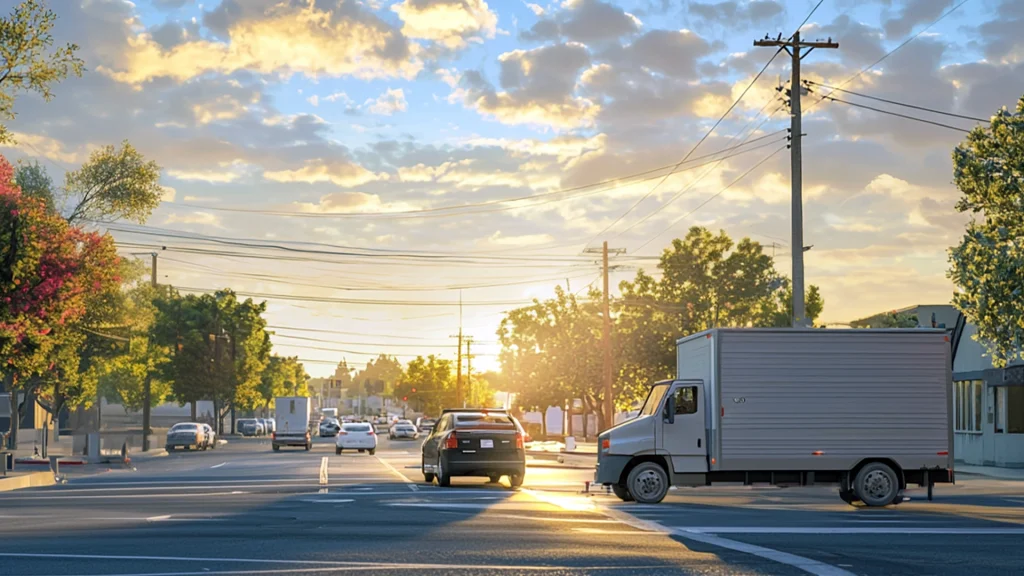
682	432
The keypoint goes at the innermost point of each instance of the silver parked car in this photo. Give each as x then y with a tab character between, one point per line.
188	435
210	437
249	427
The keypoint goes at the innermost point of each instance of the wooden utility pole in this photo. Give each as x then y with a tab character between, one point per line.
796	49
469	369
147	385
609	403
458	369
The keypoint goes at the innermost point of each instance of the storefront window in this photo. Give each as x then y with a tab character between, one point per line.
1014	410
967	405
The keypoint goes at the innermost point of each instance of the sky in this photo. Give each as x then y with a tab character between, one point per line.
392	157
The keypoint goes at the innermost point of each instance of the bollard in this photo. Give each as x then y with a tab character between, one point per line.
55	465
3	464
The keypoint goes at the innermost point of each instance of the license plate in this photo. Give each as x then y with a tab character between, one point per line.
487	443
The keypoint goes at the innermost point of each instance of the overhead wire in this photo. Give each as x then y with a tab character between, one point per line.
897	103
716	195
897	114
692	150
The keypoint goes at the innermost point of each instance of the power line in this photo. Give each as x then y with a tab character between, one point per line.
894	50
894	102
379	344
692	150
813	10
342	333
897	114
716	195
358	301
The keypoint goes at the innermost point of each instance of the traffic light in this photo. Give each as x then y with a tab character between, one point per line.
413	390
404	398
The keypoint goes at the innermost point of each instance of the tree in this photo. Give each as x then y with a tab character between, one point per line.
49	271
988	169
432	379
283	376
776	311
34	182
25	64
113	184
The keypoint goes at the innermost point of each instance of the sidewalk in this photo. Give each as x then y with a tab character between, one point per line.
990	471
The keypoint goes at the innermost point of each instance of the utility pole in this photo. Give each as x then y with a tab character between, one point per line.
147	385
458	369
795	48
469	369
609	404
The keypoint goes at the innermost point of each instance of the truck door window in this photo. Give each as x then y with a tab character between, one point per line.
654	397
686	400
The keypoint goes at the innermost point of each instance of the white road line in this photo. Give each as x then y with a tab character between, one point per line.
805	564
412	485
323	471
22	498
218	465
845	530
320	565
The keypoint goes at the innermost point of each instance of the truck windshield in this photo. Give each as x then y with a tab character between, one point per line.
654	399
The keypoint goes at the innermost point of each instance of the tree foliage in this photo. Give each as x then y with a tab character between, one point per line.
35	182
283	376
26	62
115	183
379	377
988	169
433	380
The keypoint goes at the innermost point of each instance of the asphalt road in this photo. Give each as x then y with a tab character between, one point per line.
243	509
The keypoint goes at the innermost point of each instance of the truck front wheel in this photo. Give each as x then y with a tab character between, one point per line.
647	483
876	484
621	491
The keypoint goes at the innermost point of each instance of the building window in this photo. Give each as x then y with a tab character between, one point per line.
1013	409
967	405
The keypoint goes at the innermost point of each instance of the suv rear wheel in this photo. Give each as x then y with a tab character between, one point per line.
443	479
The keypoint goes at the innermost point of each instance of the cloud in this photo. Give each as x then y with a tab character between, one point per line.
737	14
391	101
536	9
212	176
45	146
271	37
523	240
204	218
585	21
539	88
338	172
168	194
352	202
912	13
450	23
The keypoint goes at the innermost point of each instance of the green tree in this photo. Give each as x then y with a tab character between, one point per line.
283	376
26	63
988	169
379	377
434	383
115	183
35	182
776	310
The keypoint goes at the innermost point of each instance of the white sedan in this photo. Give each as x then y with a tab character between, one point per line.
403	431
356	436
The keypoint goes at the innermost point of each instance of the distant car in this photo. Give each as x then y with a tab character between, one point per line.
249	427
425	425
210	437
188	435
329	428
270	424
402	421
469	442
356	436
403	431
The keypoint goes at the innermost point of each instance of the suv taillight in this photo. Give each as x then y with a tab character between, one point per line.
451	442
519	440
273	436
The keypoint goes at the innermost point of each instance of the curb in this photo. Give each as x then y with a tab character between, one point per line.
41	462
31	480
557	465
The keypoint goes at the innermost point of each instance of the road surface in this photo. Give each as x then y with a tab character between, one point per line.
244	509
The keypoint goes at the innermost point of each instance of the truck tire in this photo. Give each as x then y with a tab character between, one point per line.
621	491
337	451
428	477
277	448
309	447
647	483
876	484
372	451
849	497
516	480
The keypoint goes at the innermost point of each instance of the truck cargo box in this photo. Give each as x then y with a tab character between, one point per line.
813	399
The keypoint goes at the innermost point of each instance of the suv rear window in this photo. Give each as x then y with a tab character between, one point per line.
356	427
501	422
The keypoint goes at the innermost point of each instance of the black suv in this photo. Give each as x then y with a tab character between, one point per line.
468	442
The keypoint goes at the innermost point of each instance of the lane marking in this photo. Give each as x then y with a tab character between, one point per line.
408	482
846	530
219	465
320	565
329	500
225	483
800	562
167	494
323	471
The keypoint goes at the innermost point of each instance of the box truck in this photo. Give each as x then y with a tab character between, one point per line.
292	420
868	410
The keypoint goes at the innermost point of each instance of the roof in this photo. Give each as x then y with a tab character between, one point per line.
708	333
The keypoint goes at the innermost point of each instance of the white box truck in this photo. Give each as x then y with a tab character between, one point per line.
292	419
868	410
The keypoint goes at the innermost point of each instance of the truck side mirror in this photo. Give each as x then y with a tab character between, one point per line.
669	413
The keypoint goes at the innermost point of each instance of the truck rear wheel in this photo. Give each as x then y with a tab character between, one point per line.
621	491
647	483
876	484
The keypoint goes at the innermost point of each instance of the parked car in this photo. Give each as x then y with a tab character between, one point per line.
188	435
249	427
425	425
403	431
469	442
270	425
210	437
358	436
329	428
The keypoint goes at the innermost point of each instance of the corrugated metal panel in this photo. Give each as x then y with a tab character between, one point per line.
847	393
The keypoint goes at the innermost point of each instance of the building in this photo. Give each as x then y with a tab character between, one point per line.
988	402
